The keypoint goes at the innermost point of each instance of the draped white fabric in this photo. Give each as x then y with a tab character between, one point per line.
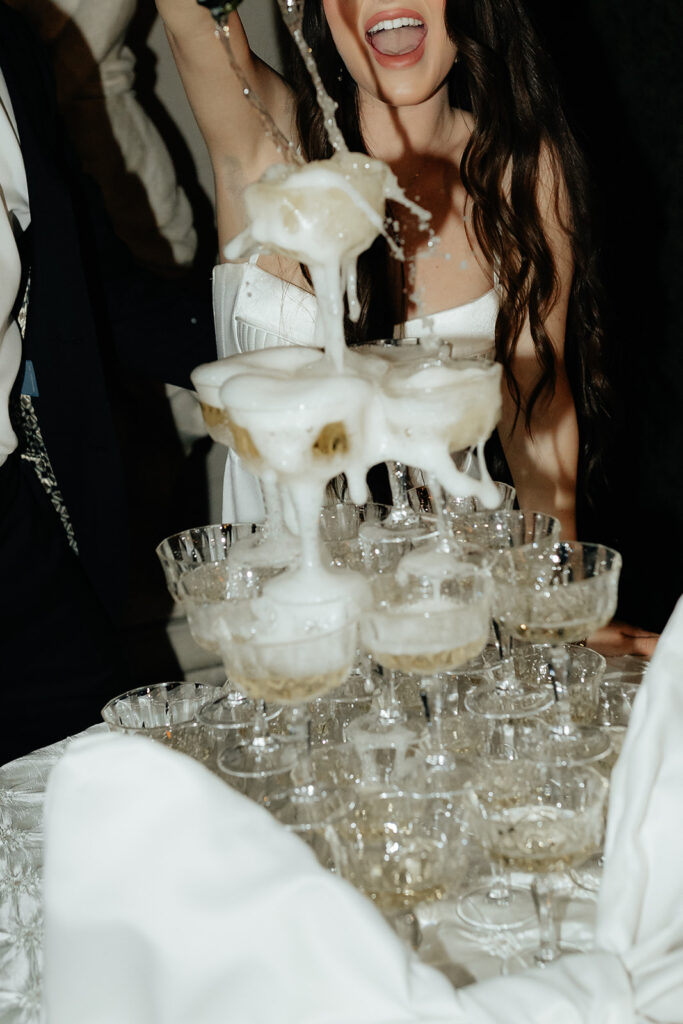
169	898
640	913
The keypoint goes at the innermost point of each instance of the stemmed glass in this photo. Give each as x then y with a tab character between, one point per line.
380	546
542	819
184	551
503	695
615	702
503	528
404	848
555	596
402	350
421	500
503	904
271	664
424	624
195	564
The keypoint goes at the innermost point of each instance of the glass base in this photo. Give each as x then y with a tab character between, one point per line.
495	702
589	876
255	761
535	958
480	910
236	716
584	744
378	729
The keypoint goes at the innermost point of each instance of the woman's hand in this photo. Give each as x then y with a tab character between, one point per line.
621	638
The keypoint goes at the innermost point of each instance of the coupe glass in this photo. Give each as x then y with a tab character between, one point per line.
424	625
167	712
543	819
495	903
202	593
184	551
200	554
313	812
500	529
585	671
556	596
380	546
421	500
404	848
615	703
402	350
288	671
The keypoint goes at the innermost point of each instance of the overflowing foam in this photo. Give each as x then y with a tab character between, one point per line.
324	214
300	417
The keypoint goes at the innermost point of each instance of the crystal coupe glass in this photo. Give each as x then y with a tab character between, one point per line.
543	819
288	669
405	848
556	596
195	564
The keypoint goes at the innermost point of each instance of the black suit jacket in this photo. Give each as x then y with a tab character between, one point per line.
90	307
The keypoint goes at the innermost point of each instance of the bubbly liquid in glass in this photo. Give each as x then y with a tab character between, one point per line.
431	662
542	839
278	688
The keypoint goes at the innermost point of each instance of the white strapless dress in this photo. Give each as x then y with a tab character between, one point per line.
254	310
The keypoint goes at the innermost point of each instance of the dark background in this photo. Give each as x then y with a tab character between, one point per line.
619	65
620	69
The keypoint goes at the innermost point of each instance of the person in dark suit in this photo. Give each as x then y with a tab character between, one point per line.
89	309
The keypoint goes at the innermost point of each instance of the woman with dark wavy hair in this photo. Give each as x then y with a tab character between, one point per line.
458	97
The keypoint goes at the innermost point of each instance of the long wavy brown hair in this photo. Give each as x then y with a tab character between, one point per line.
505	79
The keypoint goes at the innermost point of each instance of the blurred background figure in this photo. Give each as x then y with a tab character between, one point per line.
75	312
127	116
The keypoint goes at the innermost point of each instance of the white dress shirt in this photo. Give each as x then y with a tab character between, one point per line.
14	212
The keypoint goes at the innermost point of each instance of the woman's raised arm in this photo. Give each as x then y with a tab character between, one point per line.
238	146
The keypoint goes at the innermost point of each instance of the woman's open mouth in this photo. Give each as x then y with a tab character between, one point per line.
397	40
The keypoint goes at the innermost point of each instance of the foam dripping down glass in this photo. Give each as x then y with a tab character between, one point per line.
302	420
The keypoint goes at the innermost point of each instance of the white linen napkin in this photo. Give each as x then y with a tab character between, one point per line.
640	911
171	898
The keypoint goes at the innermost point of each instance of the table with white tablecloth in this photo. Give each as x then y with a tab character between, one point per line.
90	796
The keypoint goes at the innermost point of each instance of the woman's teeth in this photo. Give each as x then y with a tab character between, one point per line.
397	36
382	26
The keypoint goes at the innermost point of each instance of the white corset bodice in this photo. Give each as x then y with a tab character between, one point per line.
254	309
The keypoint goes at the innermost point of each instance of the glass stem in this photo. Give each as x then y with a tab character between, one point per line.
432	688
274	523
499	890
504	642
439	506
558	664
303	722
543	891
261	740
398	483
390	706
501	743
234	697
